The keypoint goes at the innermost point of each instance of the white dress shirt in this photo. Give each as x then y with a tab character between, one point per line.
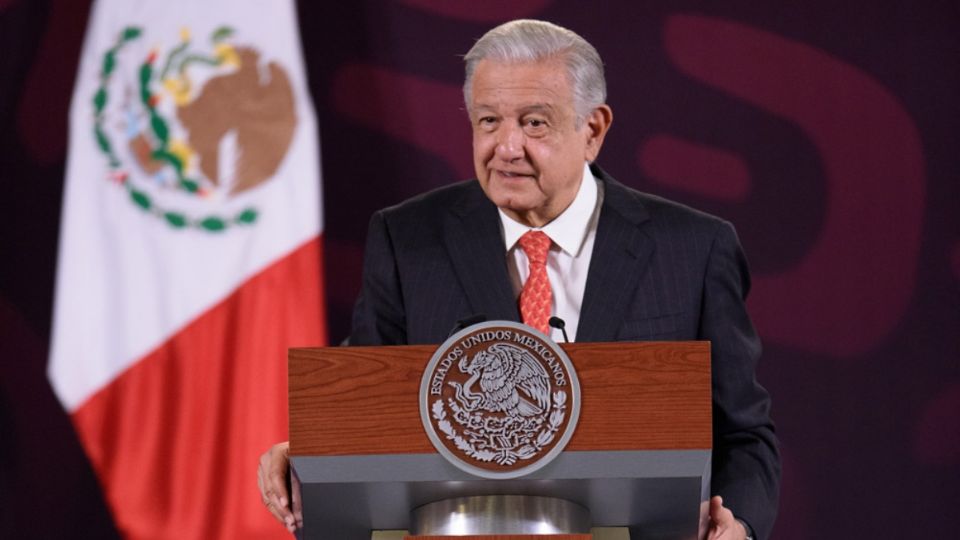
568	260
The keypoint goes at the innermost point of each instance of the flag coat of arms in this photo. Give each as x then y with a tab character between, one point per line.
189	259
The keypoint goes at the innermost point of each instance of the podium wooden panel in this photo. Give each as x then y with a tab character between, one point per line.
642	446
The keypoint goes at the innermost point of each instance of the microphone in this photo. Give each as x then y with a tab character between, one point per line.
557	322
467	321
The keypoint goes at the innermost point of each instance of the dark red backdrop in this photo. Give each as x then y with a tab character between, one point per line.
826	133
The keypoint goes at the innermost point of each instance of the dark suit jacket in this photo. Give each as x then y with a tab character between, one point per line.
659	271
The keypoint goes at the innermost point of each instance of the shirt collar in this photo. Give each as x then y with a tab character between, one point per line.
569	229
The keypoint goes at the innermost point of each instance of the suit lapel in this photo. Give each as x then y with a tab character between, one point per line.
621	253
475	244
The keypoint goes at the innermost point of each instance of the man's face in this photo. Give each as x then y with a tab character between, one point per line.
527	149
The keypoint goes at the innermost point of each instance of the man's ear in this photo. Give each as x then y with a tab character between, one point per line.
597	123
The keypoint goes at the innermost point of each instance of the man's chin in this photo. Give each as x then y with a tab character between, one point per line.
512	202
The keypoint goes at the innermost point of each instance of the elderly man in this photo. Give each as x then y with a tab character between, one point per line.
620	265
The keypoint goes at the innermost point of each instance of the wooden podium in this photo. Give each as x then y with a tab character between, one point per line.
640	456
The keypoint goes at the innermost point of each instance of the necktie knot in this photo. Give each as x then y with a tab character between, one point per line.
535	244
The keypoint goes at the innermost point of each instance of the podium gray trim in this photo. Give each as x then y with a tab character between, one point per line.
655	493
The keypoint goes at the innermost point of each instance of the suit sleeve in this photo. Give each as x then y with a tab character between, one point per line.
378	315
746	459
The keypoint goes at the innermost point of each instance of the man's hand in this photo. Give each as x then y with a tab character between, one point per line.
723	526
272	478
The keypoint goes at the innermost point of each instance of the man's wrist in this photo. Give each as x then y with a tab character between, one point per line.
748	529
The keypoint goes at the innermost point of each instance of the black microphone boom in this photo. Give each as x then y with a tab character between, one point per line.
558	323
467	321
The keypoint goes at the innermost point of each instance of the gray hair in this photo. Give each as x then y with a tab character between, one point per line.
526	40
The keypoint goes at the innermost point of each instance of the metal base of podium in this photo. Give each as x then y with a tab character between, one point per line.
658	494
500	515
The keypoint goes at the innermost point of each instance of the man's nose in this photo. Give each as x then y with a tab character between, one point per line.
510	140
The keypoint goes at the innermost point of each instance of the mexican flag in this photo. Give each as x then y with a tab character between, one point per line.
189	260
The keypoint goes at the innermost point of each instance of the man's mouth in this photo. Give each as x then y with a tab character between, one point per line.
512	174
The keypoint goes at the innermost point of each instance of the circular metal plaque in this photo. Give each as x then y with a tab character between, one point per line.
499	399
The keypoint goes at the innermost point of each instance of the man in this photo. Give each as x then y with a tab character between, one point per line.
621	265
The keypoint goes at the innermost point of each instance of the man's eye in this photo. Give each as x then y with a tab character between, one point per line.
487	123
536	123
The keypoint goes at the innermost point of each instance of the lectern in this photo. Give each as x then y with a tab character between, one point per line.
640	456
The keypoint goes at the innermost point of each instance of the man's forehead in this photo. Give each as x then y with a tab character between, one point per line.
546	71
531	86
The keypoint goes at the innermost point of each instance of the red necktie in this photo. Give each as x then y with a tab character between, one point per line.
536	296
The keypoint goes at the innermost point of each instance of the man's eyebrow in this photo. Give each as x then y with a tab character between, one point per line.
538	107
543	108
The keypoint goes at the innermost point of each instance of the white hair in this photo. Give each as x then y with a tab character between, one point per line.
526	40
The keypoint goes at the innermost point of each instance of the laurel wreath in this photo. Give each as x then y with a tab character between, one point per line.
161	131
506	456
